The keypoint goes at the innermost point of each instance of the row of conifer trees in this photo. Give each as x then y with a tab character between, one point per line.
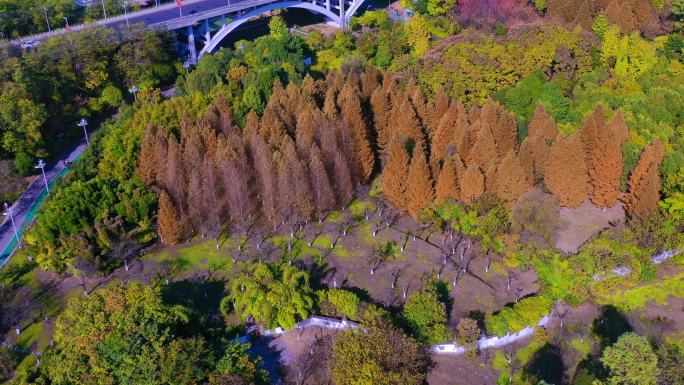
317	142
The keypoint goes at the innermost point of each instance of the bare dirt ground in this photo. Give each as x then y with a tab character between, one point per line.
459	370
660	320
324	28
585	221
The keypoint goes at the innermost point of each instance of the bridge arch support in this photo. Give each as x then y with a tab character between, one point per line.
215	39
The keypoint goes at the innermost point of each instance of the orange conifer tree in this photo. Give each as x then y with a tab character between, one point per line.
169	224
437	109
472	184
502	125
421	189
535	148
352	115
407	121
464	136
445	134
381	109
565	173
395	173
512	180
147	164
542	125
644	181
484	154
603	154
447	182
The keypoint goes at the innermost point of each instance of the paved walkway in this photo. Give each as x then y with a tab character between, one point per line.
27	205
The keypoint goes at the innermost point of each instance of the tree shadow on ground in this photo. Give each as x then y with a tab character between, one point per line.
203	298
16	273
270	357
610	325
442	291
546	364
588	370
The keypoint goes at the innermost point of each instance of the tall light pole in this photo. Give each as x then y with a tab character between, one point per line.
134	91
84	123
186	65
41	166
104	9
125	5
9	212
47	20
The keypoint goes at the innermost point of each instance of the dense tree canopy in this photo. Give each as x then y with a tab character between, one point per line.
127	335
381	355
273	294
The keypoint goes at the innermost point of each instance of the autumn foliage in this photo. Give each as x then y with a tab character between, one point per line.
314	144
644	182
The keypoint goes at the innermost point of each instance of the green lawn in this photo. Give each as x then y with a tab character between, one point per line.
637	297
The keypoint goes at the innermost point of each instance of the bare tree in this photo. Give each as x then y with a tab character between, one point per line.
380	255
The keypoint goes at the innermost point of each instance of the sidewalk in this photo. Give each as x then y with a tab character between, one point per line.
26	207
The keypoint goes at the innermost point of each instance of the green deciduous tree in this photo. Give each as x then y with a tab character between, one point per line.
339	303
600	26
274	294
382	355
124	335
631	361
418	35
236	362
278	28
20	119
425	316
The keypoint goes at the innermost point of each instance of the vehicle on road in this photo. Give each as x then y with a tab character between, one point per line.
29	45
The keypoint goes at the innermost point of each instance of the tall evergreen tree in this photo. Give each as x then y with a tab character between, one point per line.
147	161
343	182
381	108
447	182
323	197
420	189
445	135
169	223
352	116
644	182
395	173
565	172
472	184
512	180
406	120
437	109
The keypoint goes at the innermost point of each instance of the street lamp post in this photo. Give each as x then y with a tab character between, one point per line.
84	123
41	166
47	20
68	29
125	5
186	65
104	9
9	212
134	91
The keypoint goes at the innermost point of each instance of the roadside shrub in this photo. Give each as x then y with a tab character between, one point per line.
526	312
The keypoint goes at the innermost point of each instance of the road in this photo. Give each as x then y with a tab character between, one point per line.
28	203
163	15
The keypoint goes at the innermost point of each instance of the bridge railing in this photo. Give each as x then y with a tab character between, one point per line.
118	19
192	19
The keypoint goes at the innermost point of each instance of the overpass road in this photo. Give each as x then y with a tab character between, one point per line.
166	15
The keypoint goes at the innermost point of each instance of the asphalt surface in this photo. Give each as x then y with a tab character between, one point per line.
157	15
170	12
28	198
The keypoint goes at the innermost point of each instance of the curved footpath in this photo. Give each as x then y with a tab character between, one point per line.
26	207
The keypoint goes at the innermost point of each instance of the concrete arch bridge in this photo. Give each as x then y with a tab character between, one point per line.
205	31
